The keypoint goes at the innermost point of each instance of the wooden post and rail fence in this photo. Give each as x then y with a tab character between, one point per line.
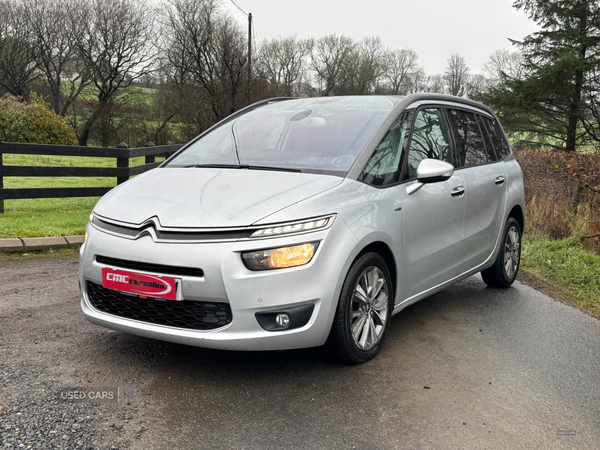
122	172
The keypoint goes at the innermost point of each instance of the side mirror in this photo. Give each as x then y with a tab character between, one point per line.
431	171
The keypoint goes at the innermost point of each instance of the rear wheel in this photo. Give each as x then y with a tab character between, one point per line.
363	312
504	271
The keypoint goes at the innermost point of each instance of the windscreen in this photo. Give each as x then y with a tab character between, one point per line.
320	135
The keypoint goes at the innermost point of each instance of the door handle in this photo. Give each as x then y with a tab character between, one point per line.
458	191
499	180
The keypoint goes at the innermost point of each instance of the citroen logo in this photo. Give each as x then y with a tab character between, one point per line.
150	226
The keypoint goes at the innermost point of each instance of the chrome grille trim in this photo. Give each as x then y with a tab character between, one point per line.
152	227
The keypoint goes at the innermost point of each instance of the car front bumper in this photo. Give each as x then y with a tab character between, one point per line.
227	280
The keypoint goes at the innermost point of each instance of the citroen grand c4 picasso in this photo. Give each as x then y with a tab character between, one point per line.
302	222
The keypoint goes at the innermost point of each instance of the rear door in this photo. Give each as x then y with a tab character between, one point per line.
434	215
485	186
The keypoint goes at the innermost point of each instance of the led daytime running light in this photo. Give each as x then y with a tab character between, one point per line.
293	228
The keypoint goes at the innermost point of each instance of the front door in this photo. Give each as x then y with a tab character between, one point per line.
434	215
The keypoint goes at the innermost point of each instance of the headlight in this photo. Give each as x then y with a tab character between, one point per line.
86	228
279	258
298	227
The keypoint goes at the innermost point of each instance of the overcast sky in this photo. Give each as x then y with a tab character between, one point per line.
433	28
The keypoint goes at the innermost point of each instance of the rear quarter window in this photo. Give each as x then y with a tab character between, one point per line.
497	137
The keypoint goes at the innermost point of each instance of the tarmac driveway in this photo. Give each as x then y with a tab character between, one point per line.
470	367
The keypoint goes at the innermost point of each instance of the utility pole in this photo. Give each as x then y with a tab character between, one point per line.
249	54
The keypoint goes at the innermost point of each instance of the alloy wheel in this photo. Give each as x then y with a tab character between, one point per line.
369	308
512	252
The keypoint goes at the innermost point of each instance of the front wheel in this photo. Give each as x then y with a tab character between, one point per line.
363	312
504	271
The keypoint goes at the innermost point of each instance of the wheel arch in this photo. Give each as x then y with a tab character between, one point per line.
517	213
383	250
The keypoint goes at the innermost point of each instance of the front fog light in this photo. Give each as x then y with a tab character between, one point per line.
283	320
279	258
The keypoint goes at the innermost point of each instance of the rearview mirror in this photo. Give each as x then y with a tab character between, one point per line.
431	171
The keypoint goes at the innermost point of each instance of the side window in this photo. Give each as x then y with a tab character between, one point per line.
384	166
429	140
497	137
492	155
470	147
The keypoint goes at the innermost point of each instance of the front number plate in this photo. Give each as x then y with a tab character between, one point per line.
140	284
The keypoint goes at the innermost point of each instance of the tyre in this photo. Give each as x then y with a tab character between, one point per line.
504	271
364	311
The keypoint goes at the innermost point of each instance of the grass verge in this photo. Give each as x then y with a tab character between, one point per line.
564	268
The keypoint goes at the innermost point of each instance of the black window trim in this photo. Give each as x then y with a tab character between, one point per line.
455	149
455	160
444	107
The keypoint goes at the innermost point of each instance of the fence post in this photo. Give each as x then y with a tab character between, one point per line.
123	162
1	183
150	158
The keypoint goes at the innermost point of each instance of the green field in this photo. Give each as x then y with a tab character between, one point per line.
140	95
52	217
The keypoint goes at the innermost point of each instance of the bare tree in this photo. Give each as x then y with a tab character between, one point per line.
269	64
231	54
54	27
504	64
347	80
328	56
17	52
361	70
456	74
371	64
115	44
476	85
208	48
401	65
282	62
417	81
436	83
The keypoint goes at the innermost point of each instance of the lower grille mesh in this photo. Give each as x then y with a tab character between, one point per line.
181	314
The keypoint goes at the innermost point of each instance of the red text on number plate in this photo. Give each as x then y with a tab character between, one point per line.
138	283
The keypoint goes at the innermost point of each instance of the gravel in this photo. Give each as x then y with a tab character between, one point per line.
45	349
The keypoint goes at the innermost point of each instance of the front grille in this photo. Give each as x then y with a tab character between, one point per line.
181	314
147	267
207	234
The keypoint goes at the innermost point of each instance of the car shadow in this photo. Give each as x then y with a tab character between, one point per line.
468	301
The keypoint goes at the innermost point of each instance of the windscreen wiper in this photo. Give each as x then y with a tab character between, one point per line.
243	166
280	169
214	166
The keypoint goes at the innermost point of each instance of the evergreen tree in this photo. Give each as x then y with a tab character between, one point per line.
553	104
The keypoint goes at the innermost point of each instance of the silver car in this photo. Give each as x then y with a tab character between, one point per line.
301	222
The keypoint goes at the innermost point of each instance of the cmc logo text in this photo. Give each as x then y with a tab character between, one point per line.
117	277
